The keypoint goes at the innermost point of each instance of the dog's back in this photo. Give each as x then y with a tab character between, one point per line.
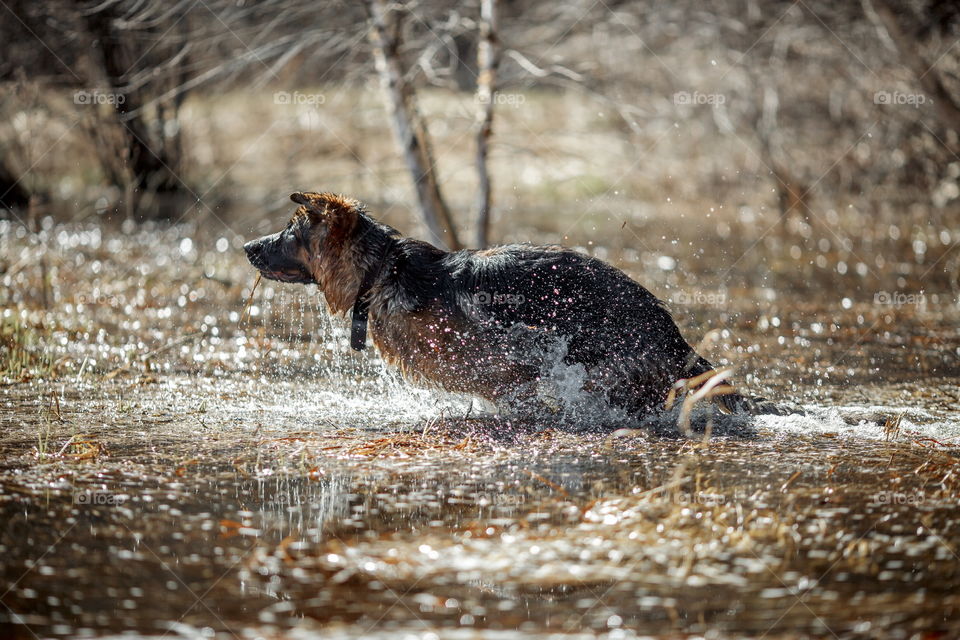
506	311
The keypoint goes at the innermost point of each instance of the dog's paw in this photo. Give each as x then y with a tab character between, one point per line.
755	406
764	407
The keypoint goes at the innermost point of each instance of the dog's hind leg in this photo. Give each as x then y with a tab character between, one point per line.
731	401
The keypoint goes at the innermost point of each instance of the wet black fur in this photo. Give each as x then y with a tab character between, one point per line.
533	300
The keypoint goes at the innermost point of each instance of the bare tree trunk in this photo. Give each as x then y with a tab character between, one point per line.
488	60
33	224
13	195
408	124
882	13
792	194
153	161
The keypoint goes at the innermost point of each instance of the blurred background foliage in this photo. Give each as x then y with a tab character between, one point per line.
812	140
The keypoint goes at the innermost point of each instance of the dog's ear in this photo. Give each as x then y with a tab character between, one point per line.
300	198
338	212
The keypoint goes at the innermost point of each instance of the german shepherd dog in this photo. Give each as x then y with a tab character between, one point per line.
492	322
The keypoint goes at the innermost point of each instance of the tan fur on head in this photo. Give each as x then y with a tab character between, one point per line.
328	205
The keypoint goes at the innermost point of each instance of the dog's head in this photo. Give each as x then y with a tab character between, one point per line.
316	233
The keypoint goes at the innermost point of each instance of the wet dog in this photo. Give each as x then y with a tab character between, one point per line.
494	322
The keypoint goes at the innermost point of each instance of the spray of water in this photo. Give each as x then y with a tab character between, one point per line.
308	349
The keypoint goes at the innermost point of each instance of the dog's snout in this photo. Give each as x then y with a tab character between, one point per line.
254	251
272	257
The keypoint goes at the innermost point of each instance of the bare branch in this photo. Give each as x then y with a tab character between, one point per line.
408	124
927	75
527	65
488	59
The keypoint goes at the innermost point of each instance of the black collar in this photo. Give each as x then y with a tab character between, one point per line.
361	306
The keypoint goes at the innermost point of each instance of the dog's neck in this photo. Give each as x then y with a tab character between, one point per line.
348	268
361	305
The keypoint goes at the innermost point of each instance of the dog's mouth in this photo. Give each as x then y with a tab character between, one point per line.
296	276
272	265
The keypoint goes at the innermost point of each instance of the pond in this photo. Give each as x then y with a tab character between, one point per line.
175	466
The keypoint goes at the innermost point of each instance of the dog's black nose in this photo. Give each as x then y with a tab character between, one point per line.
252	247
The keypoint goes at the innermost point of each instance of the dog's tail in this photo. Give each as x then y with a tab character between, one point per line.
731	401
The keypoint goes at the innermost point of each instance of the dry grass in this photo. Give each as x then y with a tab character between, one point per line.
23	351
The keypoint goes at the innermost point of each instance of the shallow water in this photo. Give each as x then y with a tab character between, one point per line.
168	470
